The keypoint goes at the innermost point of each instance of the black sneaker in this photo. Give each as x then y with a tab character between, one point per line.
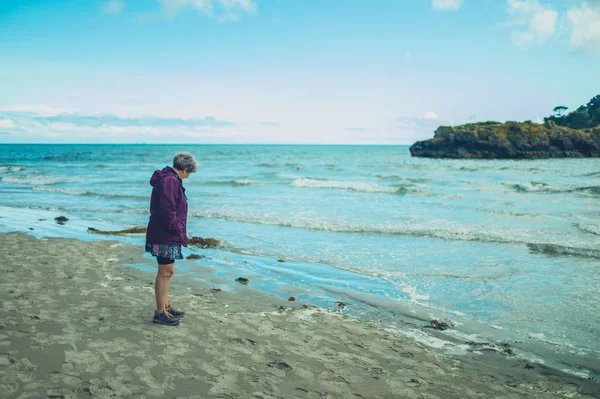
174	312
165	318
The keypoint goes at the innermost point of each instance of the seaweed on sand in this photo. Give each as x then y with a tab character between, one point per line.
133	230
204	242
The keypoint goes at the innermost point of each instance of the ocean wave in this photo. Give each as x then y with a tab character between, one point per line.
64	190
561	250
588	228
401	178
520	169
234	183
133	211
39	180
546	188
591	189
591	174
82	192
443	230
502	212
11	168
528	187
120	196
267	165
351	186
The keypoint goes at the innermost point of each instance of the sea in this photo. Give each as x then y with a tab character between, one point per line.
502	251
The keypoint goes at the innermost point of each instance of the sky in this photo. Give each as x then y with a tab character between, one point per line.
287	71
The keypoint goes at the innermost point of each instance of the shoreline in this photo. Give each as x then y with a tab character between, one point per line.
224	266
83	327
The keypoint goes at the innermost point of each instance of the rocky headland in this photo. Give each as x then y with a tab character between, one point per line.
575	135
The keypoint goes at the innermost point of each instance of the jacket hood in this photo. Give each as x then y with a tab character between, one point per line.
159	175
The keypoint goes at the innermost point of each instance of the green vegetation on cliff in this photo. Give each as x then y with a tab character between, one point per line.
584	117
520	140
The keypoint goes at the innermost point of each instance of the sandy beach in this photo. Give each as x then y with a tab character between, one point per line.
76	323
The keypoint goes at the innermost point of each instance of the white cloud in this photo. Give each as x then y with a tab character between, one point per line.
585	22
6	124
539	22
99	120
446	5
34	109
113	6
155	131
31	122
223	10
430	115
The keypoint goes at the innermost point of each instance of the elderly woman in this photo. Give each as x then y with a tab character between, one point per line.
167	229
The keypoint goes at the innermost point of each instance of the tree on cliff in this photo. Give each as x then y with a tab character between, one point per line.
579	119
558	111
593	109
584	117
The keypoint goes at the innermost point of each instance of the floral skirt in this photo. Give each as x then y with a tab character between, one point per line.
171	251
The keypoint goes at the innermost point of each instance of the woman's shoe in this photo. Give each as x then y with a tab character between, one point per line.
174	312
165	318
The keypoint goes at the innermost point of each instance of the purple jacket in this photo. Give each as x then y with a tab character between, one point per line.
168	209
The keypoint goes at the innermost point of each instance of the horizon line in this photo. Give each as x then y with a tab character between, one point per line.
240	144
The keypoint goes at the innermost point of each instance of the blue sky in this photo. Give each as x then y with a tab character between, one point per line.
287	71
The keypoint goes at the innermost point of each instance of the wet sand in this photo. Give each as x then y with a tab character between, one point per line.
76	323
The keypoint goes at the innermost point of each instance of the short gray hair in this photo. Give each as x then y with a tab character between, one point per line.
185	161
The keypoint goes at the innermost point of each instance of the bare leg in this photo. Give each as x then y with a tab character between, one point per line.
161	286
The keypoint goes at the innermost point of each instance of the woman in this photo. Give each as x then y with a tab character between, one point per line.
167	230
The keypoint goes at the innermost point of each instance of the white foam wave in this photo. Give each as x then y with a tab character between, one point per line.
234	183
548	188
388	177
529	186
10	169
65	190
351	186
136	211
397	177
588	228
443	229
245	182
542	337
38	180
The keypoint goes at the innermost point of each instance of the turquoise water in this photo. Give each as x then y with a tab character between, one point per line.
505	249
